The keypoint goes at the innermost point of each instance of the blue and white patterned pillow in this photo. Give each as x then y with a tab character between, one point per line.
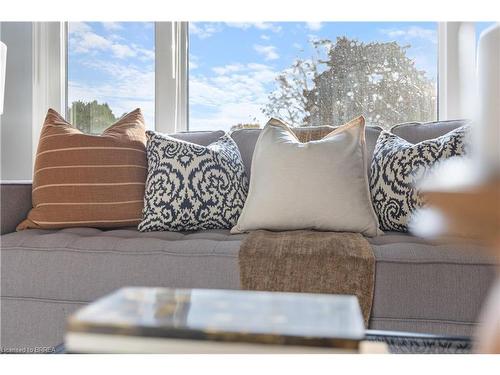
398	166
192	187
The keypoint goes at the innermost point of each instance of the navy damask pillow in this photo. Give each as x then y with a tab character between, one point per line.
192	187
397	167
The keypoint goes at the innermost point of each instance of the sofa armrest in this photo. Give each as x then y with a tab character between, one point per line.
15	199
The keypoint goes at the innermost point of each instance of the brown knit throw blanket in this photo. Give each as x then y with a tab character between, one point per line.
309	261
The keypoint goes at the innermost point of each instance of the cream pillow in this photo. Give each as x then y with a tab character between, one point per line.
321	185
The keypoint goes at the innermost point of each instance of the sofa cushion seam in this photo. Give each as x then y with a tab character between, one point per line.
438	321
43	299
150	252
427	261
185	237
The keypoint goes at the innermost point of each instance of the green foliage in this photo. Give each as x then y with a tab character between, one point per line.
91	117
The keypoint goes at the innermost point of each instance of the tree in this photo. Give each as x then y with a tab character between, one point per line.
289	101
375	79
244	126
91	117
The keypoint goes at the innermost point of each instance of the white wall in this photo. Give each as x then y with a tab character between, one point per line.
16	121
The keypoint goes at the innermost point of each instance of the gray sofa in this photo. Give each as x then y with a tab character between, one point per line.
47	274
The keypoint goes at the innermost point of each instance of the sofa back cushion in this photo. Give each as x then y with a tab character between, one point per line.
413	132
88	180
246	139
202	138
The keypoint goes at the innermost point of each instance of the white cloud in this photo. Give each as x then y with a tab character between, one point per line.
265	37
89	41
314	26
268	26
119	72
78	27
269	52
145	54
122	51
203	30
258	67
258	25
84	40
112	26
240	25
115	37
412	32
234	95
194	61
230	68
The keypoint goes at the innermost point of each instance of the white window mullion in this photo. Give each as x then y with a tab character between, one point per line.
49	73
171	86
183	74
457	69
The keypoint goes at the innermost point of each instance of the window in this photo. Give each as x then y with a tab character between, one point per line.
240	74
111	71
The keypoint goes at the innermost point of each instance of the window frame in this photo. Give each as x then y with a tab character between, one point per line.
50	49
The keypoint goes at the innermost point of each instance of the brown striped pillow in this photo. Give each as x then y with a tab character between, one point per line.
83	180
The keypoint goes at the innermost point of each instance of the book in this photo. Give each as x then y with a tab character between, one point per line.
163	320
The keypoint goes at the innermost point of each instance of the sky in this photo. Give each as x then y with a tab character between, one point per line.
232	66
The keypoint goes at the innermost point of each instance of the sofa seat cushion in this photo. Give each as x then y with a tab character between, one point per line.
82	264
420	284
